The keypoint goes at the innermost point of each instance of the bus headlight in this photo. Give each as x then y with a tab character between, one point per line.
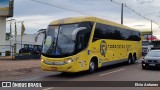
42	60
71	60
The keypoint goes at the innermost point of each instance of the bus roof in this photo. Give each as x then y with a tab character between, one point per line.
94	19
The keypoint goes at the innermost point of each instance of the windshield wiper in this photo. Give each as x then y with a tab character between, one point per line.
53	48
56	44
50	48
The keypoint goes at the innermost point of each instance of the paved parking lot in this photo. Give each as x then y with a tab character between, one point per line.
19	64
13	69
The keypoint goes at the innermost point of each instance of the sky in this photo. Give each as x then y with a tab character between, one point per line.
4	3
37	16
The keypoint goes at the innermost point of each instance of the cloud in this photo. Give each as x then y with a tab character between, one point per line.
38	16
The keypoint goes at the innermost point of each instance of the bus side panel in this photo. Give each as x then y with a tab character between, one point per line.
82	61
114	50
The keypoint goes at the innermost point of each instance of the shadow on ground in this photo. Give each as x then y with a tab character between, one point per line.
85	73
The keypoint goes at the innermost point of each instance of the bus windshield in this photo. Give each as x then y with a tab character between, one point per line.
66	40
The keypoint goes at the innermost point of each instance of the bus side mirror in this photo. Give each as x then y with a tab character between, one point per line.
74	33
41	31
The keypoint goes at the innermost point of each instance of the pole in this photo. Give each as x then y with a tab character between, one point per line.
12	53
15	37
21	44
122	14
151	32
11	48
11	45
21	35
10	33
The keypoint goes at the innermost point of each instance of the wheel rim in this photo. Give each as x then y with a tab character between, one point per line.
129	60
92	66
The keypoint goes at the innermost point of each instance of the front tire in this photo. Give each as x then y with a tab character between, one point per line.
92	66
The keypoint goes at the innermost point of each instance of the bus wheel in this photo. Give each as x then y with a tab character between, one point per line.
92	66
129	59
133	59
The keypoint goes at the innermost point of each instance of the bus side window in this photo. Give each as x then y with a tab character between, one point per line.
103	31
97	33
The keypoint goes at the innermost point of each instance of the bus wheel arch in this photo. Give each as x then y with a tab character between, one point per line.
93	65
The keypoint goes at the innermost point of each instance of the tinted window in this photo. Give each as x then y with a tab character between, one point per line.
83	36
103	31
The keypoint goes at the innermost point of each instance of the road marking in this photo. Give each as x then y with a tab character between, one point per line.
48	88
111	72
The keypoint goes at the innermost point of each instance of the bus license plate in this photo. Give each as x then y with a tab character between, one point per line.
151	64
54	68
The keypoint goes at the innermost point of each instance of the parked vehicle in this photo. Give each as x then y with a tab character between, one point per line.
28	50
146	47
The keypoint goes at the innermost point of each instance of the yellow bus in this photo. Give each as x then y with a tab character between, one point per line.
87	43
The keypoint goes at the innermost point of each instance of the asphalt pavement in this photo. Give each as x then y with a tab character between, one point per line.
119	72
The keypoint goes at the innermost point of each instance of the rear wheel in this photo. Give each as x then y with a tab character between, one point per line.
133	59
129	59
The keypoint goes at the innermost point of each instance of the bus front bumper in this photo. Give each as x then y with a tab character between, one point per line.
71	67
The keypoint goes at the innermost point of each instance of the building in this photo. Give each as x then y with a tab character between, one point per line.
6	11
27	40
